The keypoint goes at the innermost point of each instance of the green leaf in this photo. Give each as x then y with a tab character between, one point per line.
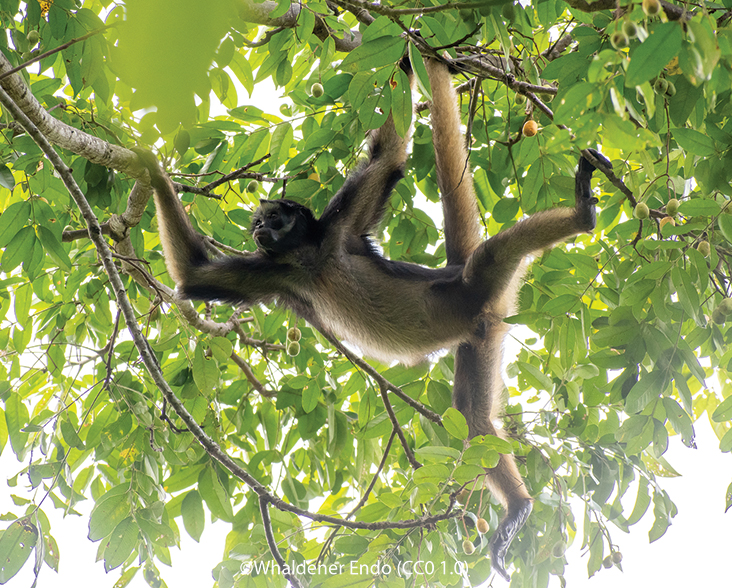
648	387
662	521
221	348
13	220
642	502
194	518
280	10
560	305
6	177
466	472
695	143
281	143
121	543
16	545
205	371
375	53
725	444
492	442
534	376
54	248
723	412
215	495
651	56
433	474
455	423
311	396
437	454
110	510
688	296
19	250
70	435
725	225
23	300
680	421
401	103
578	99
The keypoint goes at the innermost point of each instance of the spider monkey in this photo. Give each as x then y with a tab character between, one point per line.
329	271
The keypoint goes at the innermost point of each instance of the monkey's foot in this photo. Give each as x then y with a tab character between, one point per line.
506	531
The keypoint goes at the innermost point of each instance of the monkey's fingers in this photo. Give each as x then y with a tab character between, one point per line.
586	166
506	531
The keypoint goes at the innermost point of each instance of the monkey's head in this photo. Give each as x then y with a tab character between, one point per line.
279	226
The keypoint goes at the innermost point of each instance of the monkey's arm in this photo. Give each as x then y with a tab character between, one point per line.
454	178
235	279
360	204
494	263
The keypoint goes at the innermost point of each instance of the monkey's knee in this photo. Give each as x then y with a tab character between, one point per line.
511	524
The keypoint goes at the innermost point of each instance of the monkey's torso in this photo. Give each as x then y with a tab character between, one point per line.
389	310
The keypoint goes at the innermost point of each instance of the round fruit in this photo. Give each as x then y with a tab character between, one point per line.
607	562
508	11
482	526
466	14
530	128
630	29
559	548
651	7
667	220
253	186
672	207
617	557
520	99
704	248
468	547
33	37
725	307
619	40
294	334
671	90
641	211
660	86
718	317
316	90
293	348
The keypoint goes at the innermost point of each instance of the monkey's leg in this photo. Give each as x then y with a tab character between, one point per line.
477	395
493	265
454	178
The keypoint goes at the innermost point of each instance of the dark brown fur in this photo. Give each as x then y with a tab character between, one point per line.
333	276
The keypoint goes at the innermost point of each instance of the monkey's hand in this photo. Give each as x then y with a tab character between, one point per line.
584	200
511	524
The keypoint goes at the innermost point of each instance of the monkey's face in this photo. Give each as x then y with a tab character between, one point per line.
272	226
